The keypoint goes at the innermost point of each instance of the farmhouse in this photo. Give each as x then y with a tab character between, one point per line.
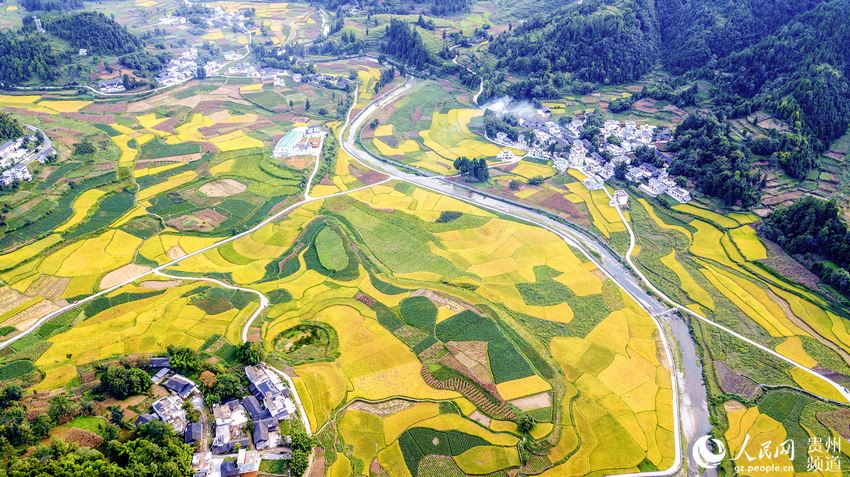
303	141
158	362
180	385
268	388
653	187
160	375
680	194
17	173
115	85
194	432
619	199
170	410
230	427
266	434
506	155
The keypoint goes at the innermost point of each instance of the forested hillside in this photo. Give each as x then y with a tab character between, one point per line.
695	33
706	154
800	72
93	31
51	5
404	44
813	229
606	42
24	56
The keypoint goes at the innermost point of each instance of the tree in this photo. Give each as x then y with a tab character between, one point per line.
121	382
307	105
228	386
10	127
525	423
41	426
299	463
10	394
61	409
207	379
620	171
250	352
201	73
183	360
84	147
116	414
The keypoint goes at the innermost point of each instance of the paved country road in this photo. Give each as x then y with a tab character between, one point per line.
690	409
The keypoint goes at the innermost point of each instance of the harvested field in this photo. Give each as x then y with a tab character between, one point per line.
536	401
160	284
734	383
127	272
222	188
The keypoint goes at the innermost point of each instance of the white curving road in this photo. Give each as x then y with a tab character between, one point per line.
264	303
841	389
440	186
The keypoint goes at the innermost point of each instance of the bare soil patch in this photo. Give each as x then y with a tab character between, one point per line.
49	287
222	188
160	284
10	298
175	252
473	355
127	272
28	317
535	401
204	220
480	418
81	437
382	409
734	383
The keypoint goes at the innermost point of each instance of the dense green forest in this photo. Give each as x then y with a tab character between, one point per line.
814	230
605	42
705	153
696	33
403	42
10	127
24	56
153	450
799	73
51	5
94	31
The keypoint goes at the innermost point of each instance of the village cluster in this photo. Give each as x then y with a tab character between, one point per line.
239	428
562	144
17	153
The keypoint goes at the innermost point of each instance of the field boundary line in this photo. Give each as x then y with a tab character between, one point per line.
841	389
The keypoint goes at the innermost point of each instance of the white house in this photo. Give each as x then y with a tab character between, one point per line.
506	155
619	199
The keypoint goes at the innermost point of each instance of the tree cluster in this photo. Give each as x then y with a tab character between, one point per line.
144	63
606	42
472	169
705	153
94	31
121	381
495	123
152	450
813	228
404	44
51	5
10	127
24	56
